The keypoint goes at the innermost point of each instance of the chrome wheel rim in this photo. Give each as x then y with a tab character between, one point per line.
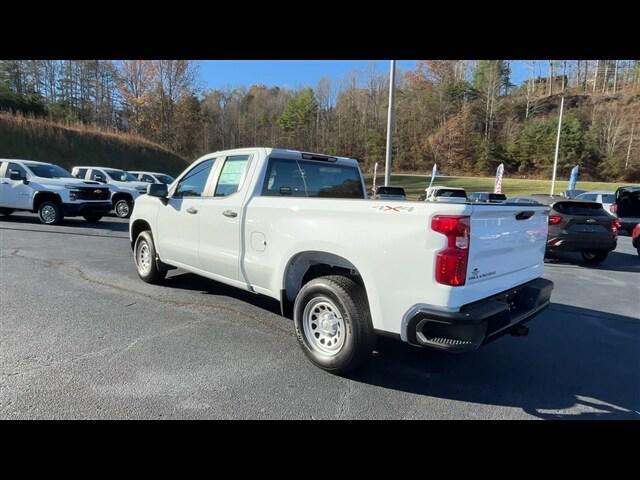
323	326
143	258
122	208
48	214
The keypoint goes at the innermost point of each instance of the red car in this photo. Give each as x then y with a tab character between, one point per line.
635	238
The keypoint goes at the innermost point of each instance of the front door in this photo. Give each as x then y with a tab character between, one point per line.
221	218
15	193
178	219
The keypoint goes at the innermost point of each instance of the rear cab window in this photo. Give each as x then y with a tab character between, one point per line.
309	178
579	208
445	192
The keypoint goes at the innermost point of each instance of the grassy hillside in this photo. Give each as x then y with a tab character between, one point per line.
46	141
414	185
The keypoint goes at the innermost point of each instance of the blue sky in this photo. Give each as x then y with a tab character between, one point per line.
298	73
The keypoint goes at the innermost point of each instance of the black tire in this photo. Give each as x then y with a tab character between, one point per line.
594	258
151	274
93	218
123	208
351	302
50	213
6	211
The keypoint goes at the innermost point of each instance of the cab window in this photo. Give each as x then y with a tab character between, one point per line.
194	181
81	173
17	168
147	178
232	175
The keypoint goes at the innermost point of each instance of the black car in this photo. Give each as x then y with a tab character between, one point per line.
578	226
390	193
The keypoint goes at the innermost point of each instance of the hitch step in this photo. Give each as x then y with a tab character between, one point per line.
519	331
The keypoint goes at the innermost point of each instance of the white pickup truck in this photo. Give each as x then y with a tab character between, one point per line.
125	188
298	227
50	191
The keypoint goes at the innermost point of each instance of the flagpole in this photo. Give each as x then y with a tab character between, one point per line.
387	165
555	161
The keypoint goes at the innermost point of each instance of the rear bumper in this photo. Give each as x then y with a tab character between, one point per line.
479	322
94	208
581	243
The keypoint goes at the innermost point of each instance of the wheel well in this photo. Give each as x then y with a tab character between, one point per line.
120	196
43	197
138	227
306	266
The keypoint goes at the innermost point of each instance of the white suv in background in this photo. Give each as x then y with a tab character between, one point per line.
153	177
124	186
50	191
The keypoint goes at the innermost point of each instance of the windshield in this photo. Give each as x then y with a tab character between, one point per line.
165	179
47	170
120	175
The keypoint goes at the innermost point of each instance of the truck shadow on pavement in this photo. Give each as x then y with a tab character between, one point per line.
193	282
615	262
574	358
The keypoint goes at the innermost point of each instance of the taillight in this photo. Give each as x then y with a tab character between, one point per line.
554	219
613	208
451	263
615	226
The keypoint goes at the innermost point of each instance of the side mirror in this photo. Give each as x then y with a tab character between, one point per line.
157	190
16	175
99	178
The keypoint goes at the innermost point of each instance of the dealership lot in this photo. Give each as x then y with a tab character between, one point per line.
82	337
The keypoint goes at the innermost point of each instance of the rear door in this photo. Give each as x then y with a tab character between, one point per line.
221	215
507	245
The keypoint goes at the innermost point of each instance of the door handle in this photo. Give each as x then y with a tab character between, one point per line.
192	210
5	183
230	214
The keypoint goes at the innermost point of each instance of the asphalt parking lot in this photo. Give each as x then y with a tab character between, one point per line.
82	337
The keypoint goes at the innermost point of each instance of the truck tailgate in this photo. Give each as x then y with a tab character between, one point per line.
507	246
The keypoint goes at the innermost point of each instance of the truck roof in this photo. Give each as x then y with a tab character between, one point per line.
289	154
22	160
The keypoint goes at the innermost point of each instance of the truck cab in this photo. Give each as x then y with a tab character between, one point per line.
50	191
125	187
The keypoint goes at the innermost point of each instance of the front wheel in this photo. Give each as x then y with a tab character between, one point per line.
333	323
92	218
594	258
122	208
50	213
145	257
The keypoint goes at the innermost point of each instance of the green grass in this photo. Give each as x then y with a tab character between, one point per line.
415	185
67	146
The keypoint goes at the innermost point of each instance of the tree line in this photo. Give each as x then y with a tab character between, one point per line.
466	116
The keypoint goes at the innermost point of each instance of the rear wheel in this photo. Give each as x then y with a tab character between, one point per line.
333	323
50	213
145	257
92	218
122	208
594	258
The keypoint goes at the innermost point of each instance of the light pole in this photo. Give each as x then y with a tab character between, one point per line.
387	164
555	161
